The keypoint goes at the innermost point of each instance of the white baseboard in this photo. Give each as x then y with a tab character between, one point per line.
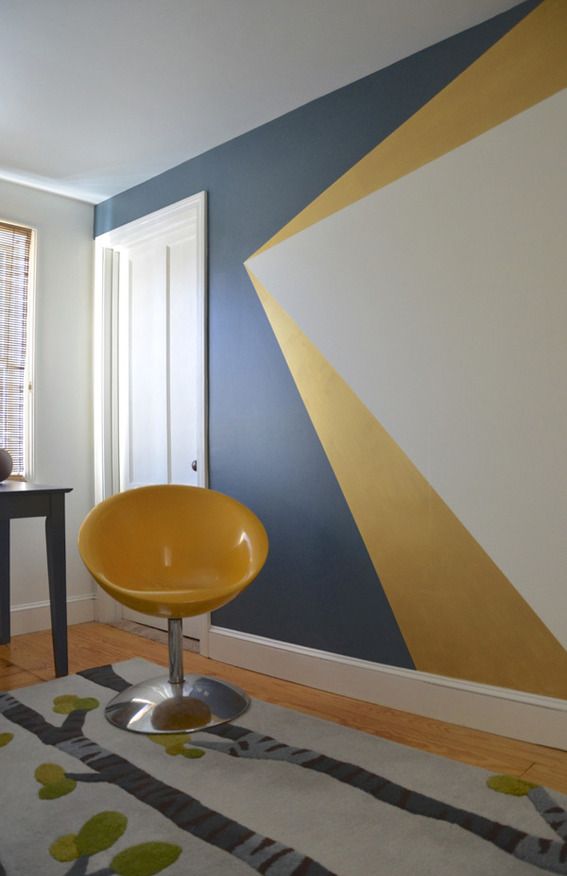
512	713
29	617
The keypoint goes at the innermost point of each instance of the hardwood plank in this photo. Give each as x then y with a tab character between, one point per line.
93	644
18	678
27	652
552	776
10	670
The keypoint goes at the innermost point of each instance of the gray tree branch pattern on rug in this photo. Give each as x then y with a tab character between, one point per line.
261	853
543	853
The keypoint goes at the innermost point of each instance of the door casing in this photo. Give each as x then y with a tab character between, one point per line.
177	236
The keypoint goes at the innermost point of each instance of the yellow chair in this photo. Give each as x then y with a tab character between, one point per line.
173	551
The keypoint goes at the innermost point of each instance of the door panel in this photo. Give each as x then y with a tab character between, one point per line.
143	382
183	361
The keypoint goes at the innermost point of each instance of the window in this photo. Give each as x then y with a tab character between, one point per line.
16	247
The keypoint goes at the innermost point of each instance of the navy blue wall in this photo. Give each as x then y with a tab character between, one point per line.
319	587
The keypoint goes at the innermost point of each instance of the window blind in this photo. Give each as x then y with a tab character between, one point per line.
15	244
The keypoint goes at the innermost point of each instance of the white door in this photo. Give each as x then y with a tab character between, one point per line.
154	316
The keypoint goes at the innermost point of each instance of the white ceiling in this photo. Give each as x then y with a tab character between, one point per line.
98	95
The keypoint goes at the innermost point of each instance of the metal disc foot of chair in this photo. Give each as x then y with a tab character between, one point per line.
176	703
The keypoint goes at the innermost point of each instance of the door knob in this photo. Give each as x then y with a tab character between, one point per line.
194	465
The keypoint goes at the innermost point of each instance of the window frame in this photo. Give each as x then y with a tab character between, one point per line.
29	368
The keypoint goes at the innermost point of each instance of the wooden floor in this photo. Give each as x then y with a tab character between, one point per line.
28	660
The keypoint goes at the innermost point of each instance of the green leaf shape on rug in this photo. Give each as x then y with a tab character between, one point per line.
65	848
5	738
192	753
174	744
59	789
145	859
55	782
67	703
510	785
100	832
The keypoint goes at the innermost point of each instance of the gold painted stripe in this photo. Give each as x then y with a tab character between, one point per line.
523	68
458	613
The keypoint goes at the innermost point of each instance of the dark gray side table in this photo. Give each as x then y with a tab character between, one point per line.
22	499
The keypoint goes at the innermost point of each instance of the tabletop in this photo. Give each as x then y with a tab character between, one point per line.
27	487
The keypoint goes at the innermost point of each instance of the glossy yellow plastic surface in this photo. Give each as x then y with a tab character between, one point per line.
173	551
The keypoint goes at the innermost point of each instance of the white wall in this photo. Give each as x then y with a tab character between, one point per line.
63	400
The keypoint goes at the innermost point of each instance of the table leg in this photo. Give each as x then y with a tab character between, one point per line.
55	543
4	582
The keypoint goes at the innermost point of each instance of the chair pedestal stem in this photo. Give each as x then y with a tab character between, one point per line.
175	647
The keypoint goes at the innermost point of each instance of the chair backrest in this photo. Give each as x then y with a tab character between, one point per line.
173	541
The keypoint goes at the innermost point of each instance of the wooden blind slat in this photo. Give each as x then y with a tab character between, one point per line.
15	244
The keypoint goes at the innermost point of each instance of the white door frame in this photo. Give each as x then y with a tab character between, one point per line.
190	213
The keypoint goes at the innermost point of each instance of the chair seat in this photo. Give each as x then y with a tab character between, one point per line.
173	550
167	602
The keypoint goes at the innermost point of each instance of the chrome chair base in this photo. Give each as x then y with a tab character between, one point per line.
160	706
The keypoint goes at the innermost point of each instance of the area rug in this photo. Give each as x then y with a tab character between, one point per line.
278	792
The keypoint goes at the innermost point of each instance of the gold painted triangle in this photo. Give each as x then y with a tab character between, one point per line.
458	613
